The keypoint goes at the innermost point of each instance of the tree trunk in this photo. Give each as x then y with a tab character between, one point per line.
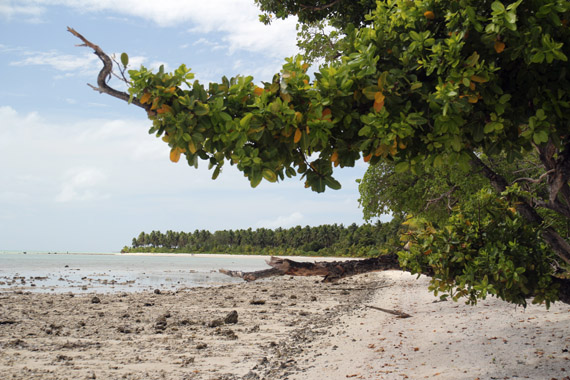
335	270
558	244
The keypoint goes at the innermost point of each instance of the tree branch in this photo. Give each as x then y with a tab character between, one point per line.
331	271
532	180
442	196
105	73
556	242
319	8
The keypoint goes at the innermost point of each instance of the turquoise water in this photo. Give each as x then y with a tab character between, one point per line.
101	273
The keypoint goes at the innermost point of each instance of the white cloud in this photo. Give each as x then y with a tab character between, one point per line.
85	63
291	220
27	11
82	184
212	45
69	65
236	19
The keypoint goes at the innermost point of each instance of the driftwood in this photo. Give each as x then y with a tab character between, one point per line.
331	271
335	270
400	314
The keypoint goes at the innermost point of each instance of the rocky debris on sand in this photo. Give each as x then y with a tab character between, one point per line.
160	323
231	318
229	333
215	323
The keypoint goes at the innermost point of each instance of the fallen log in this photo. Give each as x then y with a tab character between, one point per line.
335	270
331	270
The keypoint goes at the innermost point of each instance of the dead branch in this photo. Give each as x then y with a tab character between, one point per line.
400	314
442	196
331	271
532	180
335	270
106	73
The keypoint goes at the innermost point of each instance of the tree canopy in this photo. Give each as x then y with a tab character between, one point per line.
421	86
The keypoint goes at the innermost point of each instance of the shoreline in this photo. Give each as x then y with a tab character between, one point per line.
187	254
241	256
286	328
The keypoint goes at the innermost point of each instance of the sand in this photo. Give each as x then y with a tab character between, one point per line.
286	328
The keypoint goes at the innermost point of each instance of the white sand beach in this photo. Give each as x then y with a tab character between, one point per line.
282	328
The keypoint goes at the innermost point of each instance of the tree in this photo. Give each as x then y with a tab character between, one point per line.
420	84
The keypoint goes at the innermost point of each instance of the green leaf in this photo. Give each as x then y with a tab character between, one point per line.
364	131
504	99
370	92
416	85
332	183
489	127
537	58
498	7
124	59
225	116
456	143
402	167
540	137
255	179
416	119
201	109
216	172
244	122
269	175
438	161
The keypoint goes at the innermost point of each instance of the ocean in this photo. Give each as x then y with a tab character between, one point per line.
105	273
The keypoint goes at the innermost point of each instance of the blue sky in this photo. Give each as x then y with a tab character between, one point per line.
79	171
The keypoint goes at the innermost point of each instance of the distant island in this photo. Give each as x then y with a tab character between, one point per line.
367	240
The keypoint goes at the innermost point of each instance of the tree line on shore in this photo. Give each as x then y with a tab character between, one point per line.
367	240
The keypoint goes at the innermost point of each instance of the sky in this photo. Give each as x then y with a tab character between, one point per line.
79	171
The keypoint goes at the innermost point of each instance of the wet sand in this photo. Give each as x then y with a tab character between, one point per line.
283	328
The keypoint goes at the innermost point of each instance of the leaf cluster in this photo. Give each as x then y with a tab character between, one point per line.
486	248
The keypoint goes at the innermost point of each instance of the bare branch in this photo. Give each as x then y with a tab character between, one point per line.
558	207
105	73
441	197
532	180
122	78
